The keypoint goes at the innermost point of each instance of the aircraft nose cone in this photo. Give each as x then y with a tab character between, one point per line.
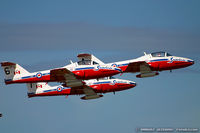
132	83
191	61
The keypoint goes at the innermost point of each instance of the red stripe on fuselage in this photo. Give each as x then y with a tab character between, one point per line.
93	74
101	88
162	65
45	78
81	74
166	65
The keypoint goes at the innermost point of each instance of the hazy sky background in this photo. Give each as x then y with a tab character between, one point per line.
44	34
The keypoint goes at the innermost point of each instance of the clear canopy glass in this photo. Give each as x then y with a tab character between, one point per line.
160	54
87	62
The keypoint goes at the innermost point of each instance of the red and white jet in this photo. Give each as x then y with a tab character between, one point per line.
91	89
70	74
147	65
75	76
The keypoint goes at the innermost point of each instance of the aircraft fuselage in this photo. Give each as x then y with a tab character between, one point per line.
102	86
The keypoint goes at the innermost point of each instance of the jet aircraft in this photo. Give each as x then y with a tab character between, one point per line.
148	65
91	89
69	74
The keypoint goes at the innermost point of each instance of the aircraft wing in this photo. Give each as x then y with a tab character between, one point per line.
65	76
140	66
88	90
89	93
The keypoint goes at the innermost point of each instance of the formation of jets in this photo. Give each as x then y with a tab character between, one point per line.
90	76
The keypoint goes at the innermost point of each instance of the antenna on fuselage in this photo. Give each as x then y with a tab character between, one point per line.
145	53
71	62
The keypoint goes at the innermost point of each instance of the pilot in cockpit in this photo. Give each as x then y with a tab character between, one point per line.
87	62
160	54
84	62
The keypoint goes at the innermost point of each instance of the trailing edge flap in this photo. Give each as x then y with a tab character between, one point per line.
88	91
65	76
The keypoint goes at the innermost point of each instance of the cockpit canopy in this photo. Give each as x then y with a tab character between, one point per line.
87	62
160	54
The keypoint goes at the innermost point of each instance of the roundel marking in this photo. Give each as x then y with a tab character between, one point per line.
59	89
114	81
171	60
114	65
97	68
39	75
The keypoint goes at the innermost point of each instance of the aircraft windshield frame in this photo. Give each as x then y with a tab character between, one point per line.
84	62
167	54
87	62
95	63
158	54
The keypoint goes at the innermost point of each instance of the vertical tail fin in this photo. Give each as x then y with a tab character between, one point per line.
13	70
37	88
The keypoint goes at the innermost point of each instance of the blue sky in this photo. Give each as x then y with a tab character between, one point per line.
45	34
